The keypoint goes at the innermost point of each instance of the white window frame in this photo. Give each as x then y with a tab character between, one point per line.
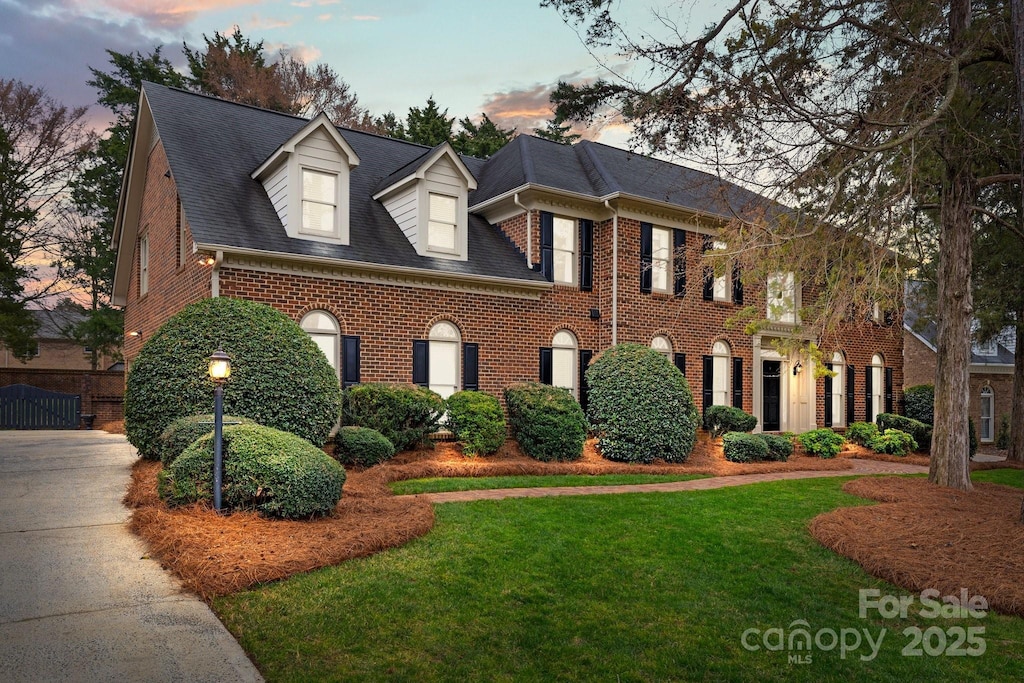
780	293
989	348
335	230
144	265
721	289
662	345
323	329
877	385
565	352
987	396
838	397
432	220
572	225
721	356
444	341
661	260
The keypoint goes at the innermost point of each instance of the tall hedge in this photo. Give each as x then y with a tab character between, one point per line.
547	421
640	405
279	377
477	421
919	403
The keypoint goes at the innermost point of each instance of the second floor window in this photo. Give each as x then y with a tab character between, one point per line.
441	225
781	297
319	192
661	259
563	244
143	264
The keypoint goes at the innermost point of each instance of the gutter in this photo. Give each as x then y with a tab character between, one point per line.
615	272
529	230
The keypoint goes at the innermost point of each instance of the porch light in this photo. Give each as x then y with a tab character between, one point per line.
206	260
220	370
220	366
797	368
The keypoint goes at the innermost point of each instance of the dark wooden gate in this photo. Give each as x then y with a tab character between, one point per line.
26	407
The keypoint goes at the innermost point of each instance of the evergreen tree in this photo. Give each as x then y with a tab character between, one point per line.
482	139
556	132
428	126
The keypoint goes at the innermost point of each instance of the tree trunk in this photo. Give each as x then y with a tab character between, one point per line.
950	460
1016	452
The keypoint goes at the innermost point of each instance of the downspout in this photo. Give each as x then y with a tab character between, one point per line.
615	272
215	275
529	230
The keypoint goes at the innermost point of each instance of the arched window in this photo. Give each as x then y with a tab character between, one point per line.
443	374
836	397
720	353
564	361
987	426
877	386
662	345
324	330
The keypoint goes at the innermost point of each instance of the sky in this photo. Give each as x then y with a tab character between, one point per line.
502	57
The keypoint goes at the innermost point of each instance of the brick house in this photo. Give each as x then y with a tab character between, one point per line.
54	350
413	264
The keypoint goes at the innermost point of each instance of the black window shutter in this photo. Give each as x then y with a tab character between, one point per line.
420	362
586	254
867	394
547	239
888	318
470	367
680	361
679	262
828	396
851	382
708	379
737	286
585	357
646	236
888	390
349	361
709	274
545	365
737	382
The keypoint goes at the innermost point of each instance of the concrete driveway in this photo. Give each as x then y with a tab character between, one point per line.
79	599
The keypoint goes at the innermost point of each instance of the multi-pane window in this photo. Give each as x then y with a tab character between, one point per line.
987	423
443	371
441	225
838	367
661	259
662	345
564	350
877	386
143	264
319	197
782	298
563	243
721	285
720	379
323	329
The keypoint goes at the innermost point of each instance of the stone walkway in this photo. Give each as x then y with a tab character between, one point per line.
860	467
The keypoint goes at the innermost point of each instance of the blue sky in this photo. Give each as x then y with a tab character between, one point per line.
502	57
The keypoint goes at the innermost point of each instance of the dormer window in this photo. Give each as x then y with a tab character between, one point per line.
319	203
442	226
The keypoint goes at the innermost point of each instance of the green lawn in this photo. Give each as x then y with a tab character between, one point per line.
639	587
1009	477
441	484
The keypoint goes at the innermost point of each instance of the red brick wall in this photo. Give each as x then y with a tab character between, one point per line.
55	355
102	392
859	342
918	361
171	286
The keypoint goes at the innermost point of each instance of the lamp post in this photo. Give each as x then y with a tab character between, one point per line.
220	370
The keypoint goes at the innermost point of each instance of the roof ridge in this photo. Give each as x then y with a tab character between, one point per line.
529	174
599	167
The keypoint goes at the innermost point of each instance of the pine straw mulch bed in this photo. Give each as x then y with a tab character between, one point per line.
220	554
924	536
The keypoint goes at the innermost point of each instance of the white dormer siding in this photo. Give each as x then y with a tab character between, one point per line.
296	176
436	191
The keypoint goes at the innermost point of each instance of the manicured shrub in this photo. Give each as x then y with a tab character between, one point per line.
743	447
547	421
972	437
721	419
893	442
1003	438
823	443
919	403
779	447
477	421
404	413
640	405
362	447
279	376
181	433
273	472
921	432
861	432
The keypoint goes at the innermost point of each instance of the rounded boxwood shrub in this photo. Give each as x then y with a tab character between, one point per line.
547	421
181	433
861	432
362	447
640	405
721	419
919	403
743	447
477	421
779	447
893	442
273	472
921	432
406	414
823	443
279	376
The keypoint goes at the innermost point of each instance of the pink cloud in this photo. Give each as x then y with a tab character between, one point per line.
259	23
365	17
160	13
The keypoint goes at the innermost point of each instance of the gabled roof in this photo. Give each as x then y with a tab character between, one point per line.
55	322
917	322
319	122
417	168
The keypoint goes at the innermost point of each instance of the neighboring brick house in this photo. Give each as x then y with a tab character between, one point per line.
991	369
409	264
54	351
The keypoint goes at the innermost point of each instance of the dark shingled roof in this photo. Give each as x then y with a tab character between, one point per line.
917	321
213	146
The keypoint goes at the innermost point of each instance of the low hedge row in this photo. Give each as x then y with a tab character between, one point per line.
183	432
547	421
743	447
721	419
921	432
362	447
